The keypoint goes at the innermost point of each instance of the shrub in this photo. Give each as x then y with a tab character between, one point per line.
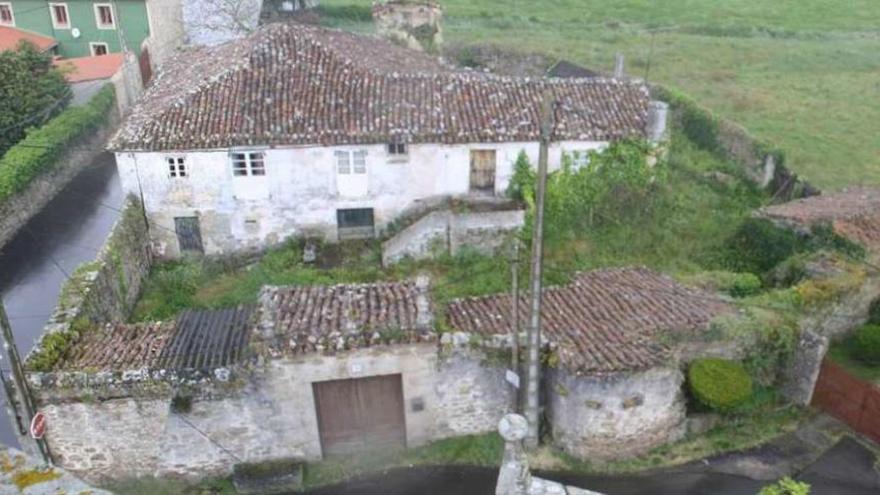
40	150
867	346
718	384
734	284
786	486
758	245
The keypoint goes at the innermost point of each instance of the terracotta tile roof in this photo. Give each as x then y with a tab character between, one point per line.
334	318
853	213
292	84
197	340
90	68
10	37
119	347
604	321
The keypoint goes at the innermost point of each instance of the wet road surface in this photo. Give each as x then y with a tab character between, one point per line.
846	469
68	232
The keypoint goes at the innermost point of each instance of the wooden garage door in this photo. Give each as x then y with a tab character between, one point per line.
360	415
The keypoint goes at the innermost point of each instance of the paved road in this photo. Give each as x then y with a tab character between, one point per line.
845	469
68	232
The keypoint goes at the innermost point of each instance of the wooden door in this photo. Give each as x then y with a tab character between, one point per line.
146	67
189	234
360	415
483	170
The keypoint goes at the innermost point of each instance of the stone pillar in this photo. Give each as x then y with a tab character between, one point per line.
801	375
514	477
619	66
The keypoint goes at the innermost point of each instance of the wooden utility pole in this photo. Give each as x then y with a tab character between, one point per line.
514	320
534	329
19	398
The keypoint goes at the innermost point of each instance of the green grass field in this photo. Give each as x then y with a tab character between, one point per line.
803	74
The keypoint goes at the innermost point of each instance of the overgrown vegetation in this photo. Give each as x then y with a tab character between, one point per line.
40	150
793	72
32	91
718	384
786	486
867	340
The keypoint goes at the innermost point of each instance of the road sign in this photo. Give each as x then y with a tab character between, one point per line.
512	378
38	426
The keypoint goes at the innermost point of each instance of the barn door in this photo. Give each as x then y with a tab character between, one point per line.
359	415
483	171
189	235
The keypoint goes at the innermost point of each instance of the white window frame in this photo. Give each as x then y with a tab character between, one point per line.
177	167
94	44
55	24
97	8
351	162
11	14
248	163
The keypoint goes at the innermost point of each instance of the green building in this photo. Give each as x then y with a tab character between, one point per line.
82	27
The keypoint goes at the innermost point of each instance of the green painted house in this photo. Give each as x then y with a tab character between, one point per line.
82	27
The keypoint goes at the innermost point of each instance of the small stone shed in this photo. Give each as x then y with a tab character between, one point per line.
853	213
315	371
307	373
615	387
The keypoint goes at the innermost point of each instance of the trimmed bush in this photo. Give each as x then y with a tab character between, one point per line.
786	486
867	348
40	150
718	384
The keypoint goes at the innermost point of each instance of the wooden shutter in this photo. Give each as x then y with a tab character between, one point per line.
483	170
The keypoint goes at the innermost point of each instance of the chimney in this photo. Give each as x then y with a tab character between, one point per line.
619	66
414	24
655	129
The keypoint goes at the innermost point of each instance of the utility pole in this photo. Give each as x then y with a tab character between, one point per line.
19	398
534	329
514	320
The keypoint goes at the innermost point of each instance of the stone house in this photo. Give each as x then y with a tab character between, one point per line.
297	130
312	372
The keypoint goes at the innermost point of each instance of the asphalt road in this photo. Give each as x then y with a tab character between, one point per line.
34	264
846	469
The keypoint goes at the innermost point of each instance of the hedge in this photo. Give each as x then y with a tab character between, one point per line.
718	384
40	150
867	348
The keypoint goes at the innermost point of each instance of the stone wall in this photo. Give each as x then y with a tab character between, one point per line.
615	415
121	425
450	231
413	24
15	212
101	291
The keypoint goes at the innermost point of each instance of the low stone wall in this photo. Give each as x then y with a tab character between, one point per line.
451	231
616	415
122	425
19	209
105	290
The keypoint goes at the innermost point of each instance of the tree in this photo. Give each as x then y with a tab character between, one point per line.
218	21
31	92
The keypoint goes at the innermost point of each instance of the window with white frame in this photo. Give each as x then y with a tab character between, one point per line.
7	18
60	16
98	49
248	164
177	167
580	158
351	162
104	16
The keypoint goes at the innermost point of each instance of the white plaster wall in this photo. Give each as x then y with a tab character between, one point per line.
300	192
616	415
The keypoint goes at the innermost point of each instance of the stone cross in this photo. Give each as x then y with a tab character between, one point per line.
514	477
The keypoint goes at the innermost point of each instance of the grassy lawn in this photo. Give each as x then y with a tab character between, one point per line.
802	74
683	233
